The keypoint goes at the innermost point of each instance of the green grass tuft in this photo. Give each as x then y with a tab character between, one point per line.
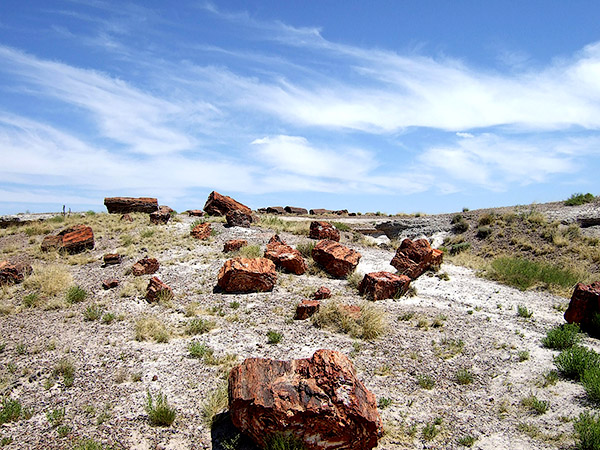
591	383
523	273
574	361
579	199
76	294
159	411
562	336
587	431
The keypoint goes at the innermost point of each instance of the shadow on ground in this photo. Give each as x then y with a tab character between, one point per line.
225	436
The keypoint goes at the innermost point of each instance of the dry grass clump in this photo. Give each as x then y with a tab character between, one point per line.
49	279
369	323
215	403
300	227
134	288
151	328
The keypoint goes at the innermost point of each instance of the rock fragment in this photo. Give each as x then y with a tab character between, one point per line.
233	245
382	285
220	205
157	289
13	273
124	205
145	266
323	230
335	258
201	231
247	275
306	308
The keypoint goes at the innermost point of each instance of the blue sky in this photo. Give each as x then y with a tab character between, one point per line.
393	106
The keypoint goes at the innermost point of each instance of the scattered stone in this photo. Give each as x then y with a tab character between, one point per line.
75	239
341	212
306	308
145	266
322	293
320	212
381	285
13	273
110	283
124	205
220	205
234	245
162	216
247	275
584	306
126	218
261	210
275	210
195	212
318	400
286	257
156	288
201	231
237	218
295	210
335	258
323	230
112	258
276	239
413	258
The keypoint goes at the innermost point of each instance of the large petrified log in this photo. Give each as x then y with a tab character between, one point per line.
295	210
220	205
381	285
335	258
413	258
286	257
247	275
75	239
323	230
317	400
124	205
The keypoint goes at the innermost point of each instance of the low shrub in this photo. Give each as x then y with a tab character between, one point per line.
10	410
369	322
460	226
574	361
250	251
587	431
215	403
534	404
591	383
159	411
483	232
76	294
562	336
305	248
464	376
342	226
523	273
579	199
274	337
522	311
199	326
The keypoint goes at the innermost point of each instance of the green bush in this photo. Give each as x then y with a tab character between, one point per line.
591	383
464	376
342	226
159	411
282	441
574	361
199	326
455	249
523	273
562	336
483	232
10	410
76	294
579	199
461	226
587	431
522	311
274	337
456	218
305	248
535	405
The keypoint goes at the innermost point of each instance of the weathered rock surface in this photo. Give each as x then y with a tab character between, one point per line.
201	231
295	210
195	212
247	275
318	400
220	205
126	218
75	239
335	258
320	212
237	218
322	293
162	216
13	273
323	230
306	308
381	285
415	227
110	283
276	239
584	305
123	205
275	210
156	288
286	257
145	266
112	258
413	258
233	245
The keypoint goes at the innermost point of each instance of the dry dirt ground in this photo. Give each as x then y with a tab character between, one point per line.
458	321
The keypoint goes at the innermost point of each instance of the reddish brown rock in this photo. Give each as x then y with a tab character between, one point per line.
306	308
275	210
584	305
234	245
220	205
276	239
381	285
124	205
415	257
353	311
286	258
110	283
341	212
237	218
112	258
295	210
145	266
126	218
157	288
335	258
322	293
195	212
162	216
437	258
201	231
247	275
318	400
320	212
323	230
13	273
75	239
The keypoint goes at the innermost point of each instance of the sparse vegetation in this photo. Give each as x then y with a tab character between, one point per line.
524	274
305	248
574	361
523	312
76	294
160	413
199	326
300	227
215	403
274	337
368	322
425	381
535	405
284	441
10	410
587	431
151	328
591	383
250	251
49	279
579	199
464	376
562	336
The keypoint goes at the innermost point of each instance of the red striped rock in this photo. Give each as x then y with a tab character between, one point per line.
286	258
145	266
75	239
275	210
413	258
124	205
335	258
234	245
323	230
156	288
322	293
112	258
295	210
318	400
381	285
306	308
201	231
220	205
13	273
247	275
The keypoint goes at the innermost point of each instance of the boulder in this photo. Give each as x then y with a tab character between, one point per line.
286	258
306	308
162	216
201	231
75	239
323	230
341	212
276	239
247	275
295	210
112	258
320	212
145	266
234	245
275	210
110	283
220	205
381	285
237	218
126	218
13	273
413	258
261	210
124	205
195	212
584	306
322	293
335	258
318	400
156	288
